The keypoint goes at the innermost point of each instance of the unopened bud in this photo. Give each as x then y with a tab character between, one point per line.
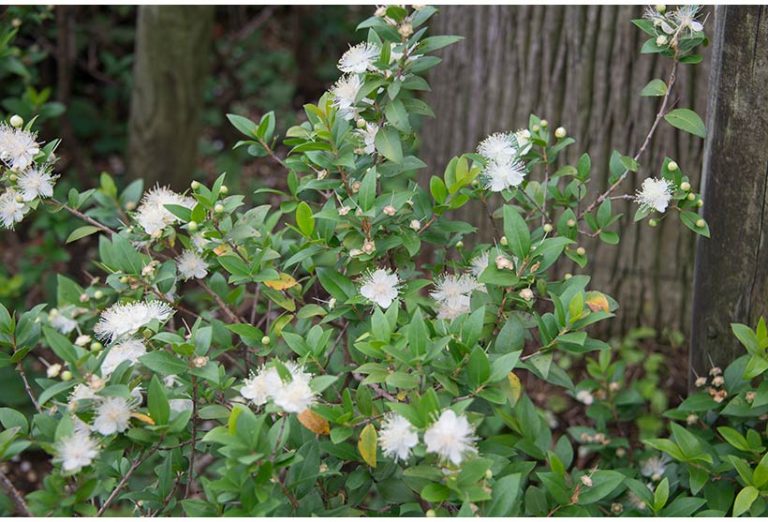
700	223
536	128
405	29
581	251
219	208
199	361
526	294
16	121
82	340
503	241
544	124
672	166
459	245
617	508
661	8
691	196
715	371
548	228
343	211
356	186
749	396
567	276
96	346
691	419
84	298
195	184
431	513
661	40
700	203
488	474
98	294
586	480
124	280
381	11
571	222
389	210
266	340
66	376
224	190
369	247
652	222
700	381
415	224
53	371
361	123
560	133
685	186
718	381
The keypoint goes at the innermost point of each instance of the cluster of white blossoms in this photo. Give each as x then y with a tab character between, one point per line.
452	293
359	58
76	451
380	287
654	467
368	134
451	437
128	350
124	319
292	396
674	23
28	180
502	151
152	214
191	265
654	194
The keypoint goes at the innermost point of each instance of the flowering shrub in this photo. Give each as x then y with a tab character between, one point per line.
345	353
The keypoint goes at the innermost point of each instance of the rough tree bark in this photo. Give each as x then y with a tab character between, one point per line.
172	49
731	276
580	67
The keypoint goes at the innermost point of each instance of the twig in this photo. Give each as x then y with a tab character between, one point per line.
18	498
28	388
82	216
191	470
126	477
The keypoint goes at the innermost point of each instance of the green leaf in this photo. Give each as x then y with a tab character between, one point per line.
163	362
478	367
661	495
744	500
397	116
157	402
61	346
516	231
304	219
243	124
654	88
688	121
505	493
81	232
603	484
388	144
367	195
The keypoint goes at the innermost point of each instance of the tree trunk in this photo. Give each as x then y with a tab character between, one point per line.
172	48
731	277
579	67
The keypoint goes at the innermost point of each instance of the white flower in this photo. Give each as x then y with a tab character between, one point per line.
654	194
451	437
169	381
18	147
76	451
61	322
152	214
454	307
500	147
180	405
36	183
11	210
121	319
53	371
501	176
345	95
479	264
397	436
260	386
81	392
191	265
82	340
129	350
654	467
380	287
685	18
369	137
450	286
294	396
585	396
112	415
199	242
359	58
523	139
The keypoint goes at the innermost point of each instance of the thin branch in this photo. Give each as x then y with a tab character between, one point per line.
82	216
191	470
21	505
28	388
136	463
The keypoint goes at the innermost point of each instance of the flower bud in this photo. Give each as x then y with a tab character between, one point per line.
718	381
343	211
586	480
124	280
567	276
431	513
389	210
536	128
548	228
19	198
195	184
544	124
96	346
488	474
571	222
84	298
700	223
361	123
16	121
691	419
459	245
224	190
356	186
661	40
369	247
381	11
130	205
621	452
199	361
700	203
405	29
617	508
581	251
66	376
98	294
614	386
219	208
750	396
560	133
503	241
13	177
53	371
661	8
359	212
322	174
82	340
700	381
672	166
415	225
685	186
526	294
715	371
266	340
652	222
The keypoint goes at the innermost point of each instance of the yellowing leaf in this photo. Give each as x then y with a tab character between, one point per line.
597	302
513	388
285	282
144	418
366	445
221	250
314	422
